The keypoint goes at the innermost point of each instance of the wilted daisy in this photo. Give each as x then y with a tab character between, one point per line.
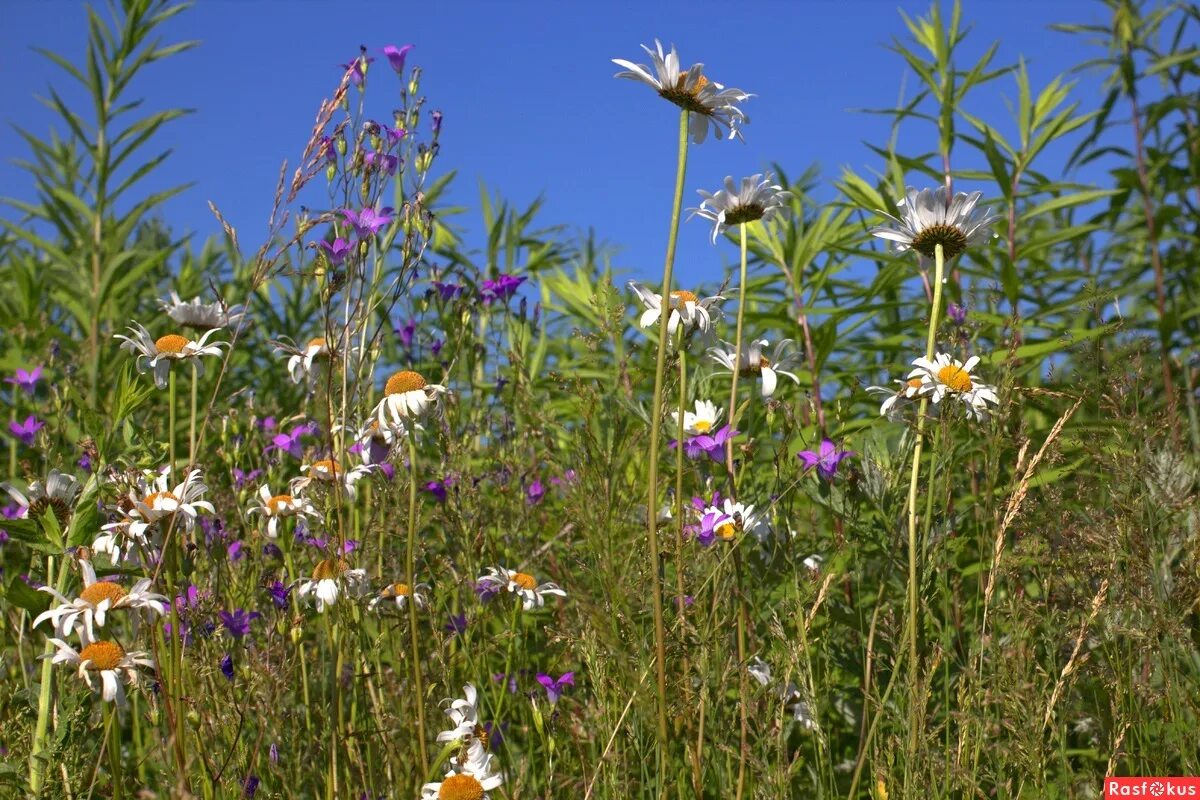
703	420
202	316
692	312
330	579
710	104
157	354
157	501
280	506
399	595
526	586
895	399
472	776
325	472
303	361
946	375
929	218
783	360
58	493
96	600
757	198
103	665
375	441
464	713
407	396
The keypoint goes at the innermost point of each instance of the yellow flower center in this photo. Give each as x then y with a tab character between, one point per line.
278	503
404	381
523	580
171	343
955	378
684	296
102	655
317	343
101	591
325	469
461	787
702	425
914	383
485	738
329	569
155	498
952	238
399	590
726	530
682	96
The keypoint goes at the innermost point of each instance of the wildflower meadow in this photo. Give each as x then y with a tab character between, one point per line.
392	498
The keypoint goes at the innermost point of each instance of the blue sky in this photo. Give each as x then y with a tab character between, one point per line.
530	104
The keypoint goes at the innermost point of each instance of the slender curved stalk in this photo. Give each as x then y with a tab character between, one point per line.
737	359
192	420
660	648
930	341
743	683
410	569
679	487
116	775
171	424
43	717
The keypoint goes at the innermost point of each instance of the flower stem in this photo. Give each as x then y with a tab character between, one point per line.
655	432
930	341
43	718
192	420
410	568
171	424
737	361
116	776
679	490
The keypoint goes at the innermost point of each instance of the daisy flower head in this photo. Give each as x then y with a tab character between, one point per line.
896	399
375	442
464	713
710	104
703	420
158	501
523	584
95	601
280	506
408	396
757	198
725	519
325	472
754	363
58	493
945	375
399	595
331	578
202	316
473	775
930	217
304	362
157	354
103	665
688	310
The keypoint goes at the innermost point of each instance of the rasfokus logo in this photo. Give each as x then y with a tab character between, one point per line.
1151	787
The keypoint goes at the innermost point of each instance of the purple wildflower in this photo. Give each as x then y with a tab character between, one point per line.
234	551
957	313
85	462
337	250
486	590
383	162
13	511
504	287
569	477
26	380
457	624
227	666
3	536
290	442
825	459
250	785
436	346
271	550
448	291
357	69
274	753
512	681
279	592
27	430
241	478
437	489
237	622
556	686
396	55
368	222
535	492
436	116
406	333
713	446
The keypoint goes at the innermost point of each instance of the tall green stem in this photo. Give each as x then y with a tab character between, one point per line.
680	432
737	358
410	570
655	432
171	424
192	420
930	341
116	776
43	717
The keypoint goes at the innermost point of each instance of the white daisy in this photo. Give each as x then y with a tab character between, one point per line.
280	506
59	492
896	399
464	714
704	420
158	502
710	104
121	545
928	218
946	375
303	361
688	310
757	198
103	661
399	594
96	600
202	316
407	396
759	670
326	471
157	354
330	579
731	518
470	778
783	360
525	585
